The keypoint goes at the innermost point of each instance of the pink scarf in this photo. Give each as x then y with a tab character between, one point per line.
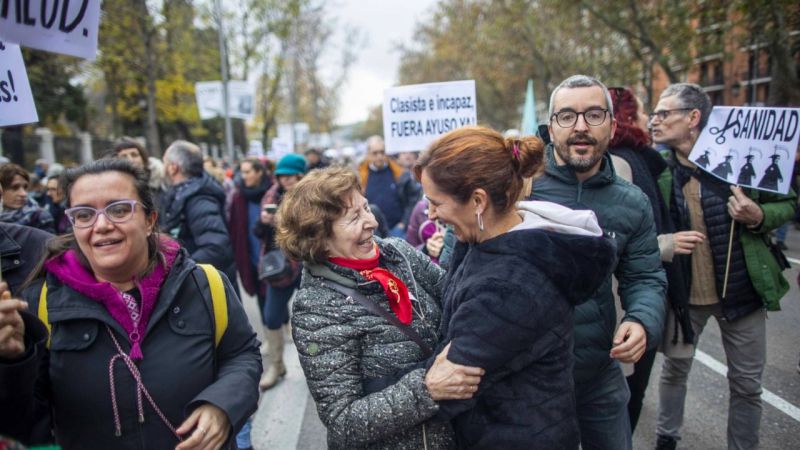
69	270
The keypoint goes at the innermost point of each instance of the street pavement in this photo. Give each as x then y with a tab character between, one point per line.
287	417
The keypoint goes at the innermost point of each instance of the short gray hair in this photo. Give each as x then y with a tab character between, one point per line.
691	96
581	81
373	141
187	156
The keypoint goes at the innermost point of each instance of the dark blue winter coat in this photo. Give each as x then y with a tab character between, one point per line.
507	307
193	212
21	248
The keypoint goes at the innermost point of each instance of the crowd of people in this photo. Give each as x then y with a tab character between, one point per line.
491	291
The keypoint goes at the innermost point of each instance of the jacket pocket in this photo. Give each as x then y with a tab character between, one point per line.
191	318
73	335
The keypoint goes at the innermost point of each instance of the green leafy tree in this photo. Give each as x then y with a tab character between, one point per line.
502	44
59	98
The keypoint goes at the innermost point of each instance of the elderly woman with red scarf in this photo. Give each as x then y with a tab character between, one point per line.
365	318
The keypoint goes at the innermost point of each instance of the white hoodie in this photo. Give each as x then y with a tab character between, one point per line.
557	218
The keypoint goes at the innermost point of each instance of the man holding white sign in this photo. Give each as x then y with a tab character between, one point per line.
734	276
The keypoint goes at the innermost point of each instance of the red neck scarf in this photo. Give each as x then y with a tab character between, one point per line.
395	289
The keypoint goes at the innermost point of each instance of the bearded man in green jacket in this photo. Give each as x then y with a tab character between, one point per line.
580	175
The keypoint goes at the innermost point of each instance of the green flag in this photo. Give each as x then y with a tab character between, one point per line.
529	122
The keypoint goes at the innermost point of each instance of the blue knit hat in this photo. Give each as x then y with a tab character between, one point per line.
291	164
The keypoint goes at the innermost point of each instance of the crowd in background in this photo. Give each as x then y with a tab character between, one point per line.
241	218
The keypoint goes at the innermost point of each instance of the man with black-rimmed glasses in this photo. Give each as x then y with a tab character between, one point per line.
579	174
705	204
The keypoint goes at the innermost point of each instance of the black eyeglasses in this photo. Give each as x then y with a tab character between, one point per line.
664	113
567	118
86	216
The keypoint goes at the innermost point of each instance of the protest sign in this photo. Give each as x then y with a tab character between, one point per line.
749	146
279	148
241	99
256	149
296	134
16	100
415	115
68	27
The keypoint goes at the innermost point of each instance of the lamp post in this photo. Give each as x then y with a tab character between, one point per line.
223	56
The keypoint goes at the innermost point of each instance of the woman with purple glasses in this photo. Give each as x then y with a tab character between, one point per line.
138	355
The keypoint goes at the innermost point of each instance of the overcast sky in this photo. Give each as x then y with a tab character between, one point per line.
384	23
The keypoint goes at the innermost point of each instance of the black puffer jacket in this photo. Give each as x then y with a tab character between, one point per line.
21	248
344	348
181	368
741	297
508	308
194	214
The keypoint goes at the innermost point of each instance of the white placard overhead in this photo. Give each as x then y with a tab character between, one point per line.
748	146
415	115
296	134
241	99
279	148
68	27
16	100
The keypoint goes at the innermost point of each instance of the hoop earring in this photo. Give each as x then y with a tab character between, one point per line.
480	221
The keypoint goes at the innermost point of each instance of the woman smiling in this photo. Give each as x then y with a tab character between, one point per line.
133	359
366	309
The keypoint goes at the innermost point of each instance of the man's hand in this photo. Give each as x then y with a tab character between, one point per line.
743	209
209	429
630	342
684	242
12	328
446	380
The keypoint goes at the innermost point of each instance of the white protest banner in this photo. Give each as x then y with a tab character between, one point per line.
415	115
296	134
241	99
16	100
280	147
256	149
749	146
68	27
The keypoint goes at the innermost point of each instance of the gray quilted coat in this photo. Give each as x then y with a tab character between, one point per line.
342	346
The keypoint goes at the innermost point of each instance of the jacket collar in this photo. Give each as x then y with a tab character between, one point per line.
177	196
349	277
8	246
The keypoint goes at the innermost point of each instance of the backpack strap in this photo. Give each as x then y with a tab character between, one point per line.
218	301
42	312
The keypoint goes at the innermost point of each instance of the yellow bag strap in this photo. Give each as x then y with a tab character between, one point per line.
218	301
42	312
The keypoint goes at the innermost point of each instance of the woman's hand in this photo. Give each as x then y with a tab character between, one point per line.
12	328
209	428
267	218
449	381
434	244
